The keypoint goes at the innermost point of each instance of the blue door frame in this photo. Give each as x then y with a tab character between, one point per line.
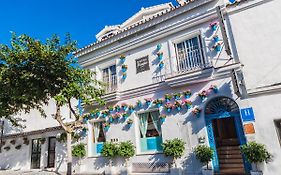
211	138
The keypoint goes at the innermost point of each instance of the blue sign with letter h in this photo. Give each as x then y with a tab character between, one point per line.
247	114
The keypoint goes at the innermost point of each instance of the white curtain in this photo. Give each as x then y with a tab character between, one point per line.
155	121
96	131
143	123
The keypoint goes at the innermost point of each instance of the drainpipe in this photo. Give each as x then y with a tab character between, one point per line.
1	134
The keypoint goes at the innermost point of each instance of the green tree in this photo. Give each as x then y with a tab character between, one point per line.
33	72
126	150
204	154
174	148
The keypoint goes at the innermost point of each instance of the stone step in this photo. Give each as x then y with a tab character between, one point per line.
233	165
230	156
229	152
230	161
232	171
228	148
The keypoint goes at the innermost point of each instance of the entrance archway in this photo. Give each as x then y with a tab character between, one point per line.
225	134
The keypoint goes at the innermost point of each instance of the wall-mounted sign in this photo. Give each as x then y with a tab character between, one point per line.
247	114
249	128
142	64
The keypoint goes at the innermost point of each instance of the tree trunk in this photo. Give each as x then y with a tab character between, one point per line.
69	154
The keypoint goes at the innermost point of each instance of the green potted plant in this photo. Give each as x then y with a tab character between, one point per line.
204	154
79	151
175	149
256	153
126	150
110	150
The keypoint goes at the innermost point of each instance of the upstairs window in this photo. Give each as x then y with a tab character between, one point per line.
190	55
109	78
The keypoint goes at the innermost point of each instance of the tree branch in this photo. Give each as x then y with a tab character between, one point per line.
58	117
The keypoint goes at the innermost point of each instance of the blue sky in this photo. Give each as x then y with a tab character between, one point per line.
83	19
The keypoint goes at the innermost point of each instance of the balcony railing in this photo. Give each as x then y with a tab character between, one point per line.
190	60
111	84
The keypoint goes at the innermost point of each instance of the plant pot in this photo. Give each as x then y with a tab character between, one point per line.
207	172
162	120
169	110
124	76
218	48
176	171
139	105
216	39
167	100
161	66
159	46
256	172
178	108
122	60
214	27
188	106
148	103
160	57
158	105
186	96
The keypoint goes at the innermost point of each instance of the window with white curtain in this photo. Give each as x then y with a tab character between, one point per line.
189	54
109	77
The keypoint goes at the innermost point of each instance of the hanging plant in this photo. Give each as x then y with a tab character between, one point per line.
92	114
196	111
122	59
13	142
84	131
160	56
124	106
216	38
124	75
214	25
97	112
188	103
130	123
159	46
124	68
203	95
117	108
162	118
161	65
110	119
158	102
7	148
3	143
106	126
177	96
125	116
18	147
178	105
25	141
187	93
168	97
148	101
214	88
42	140
168	106
139	103
105	113
117	116
110	109
131	108
217	46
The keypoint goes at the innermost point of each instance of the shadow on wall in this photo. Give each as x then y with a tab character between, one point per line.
190	164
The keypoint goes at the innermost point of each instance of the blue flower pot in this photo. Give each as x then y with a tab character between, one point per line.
177	98
186	96
131	111
92	116
124	76
162	120
110	111
122	60
110	120
106	128
148	103
104	115
167	100
160	57
85	120
214	27
124	70
178	108
216	39
129	125
216	90
124	108
125	117
203	98
117	109
218	48
168	110
139	105
161	66
158	105
98	114
159	46
188	106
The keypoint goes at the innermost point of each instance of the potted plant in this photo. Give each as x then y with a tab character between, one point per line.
178	105
256	153
106	126
177	96
104	113
158	102
124	106
130	122
79	151
217	46
216	38
110	118
117	108
160	55
175	149
125	116
161	65
124	75
7	148
214	88
131	108
187	103
97	113
126	150
187	93
204	154
85	118
168	97
159	46
162	118
214	25
122	59
168	106
124	68
110	109
139	103
203	95
117	116
148	101
196	111
109	150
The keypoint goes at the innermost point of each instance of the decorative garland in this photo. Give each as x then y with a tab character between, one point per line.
180	100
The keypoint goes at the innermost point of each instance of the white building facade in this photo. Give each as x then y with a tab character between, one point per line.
203	56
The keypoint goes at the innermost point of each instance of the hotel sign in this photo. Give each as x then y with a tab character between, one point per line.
142	64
